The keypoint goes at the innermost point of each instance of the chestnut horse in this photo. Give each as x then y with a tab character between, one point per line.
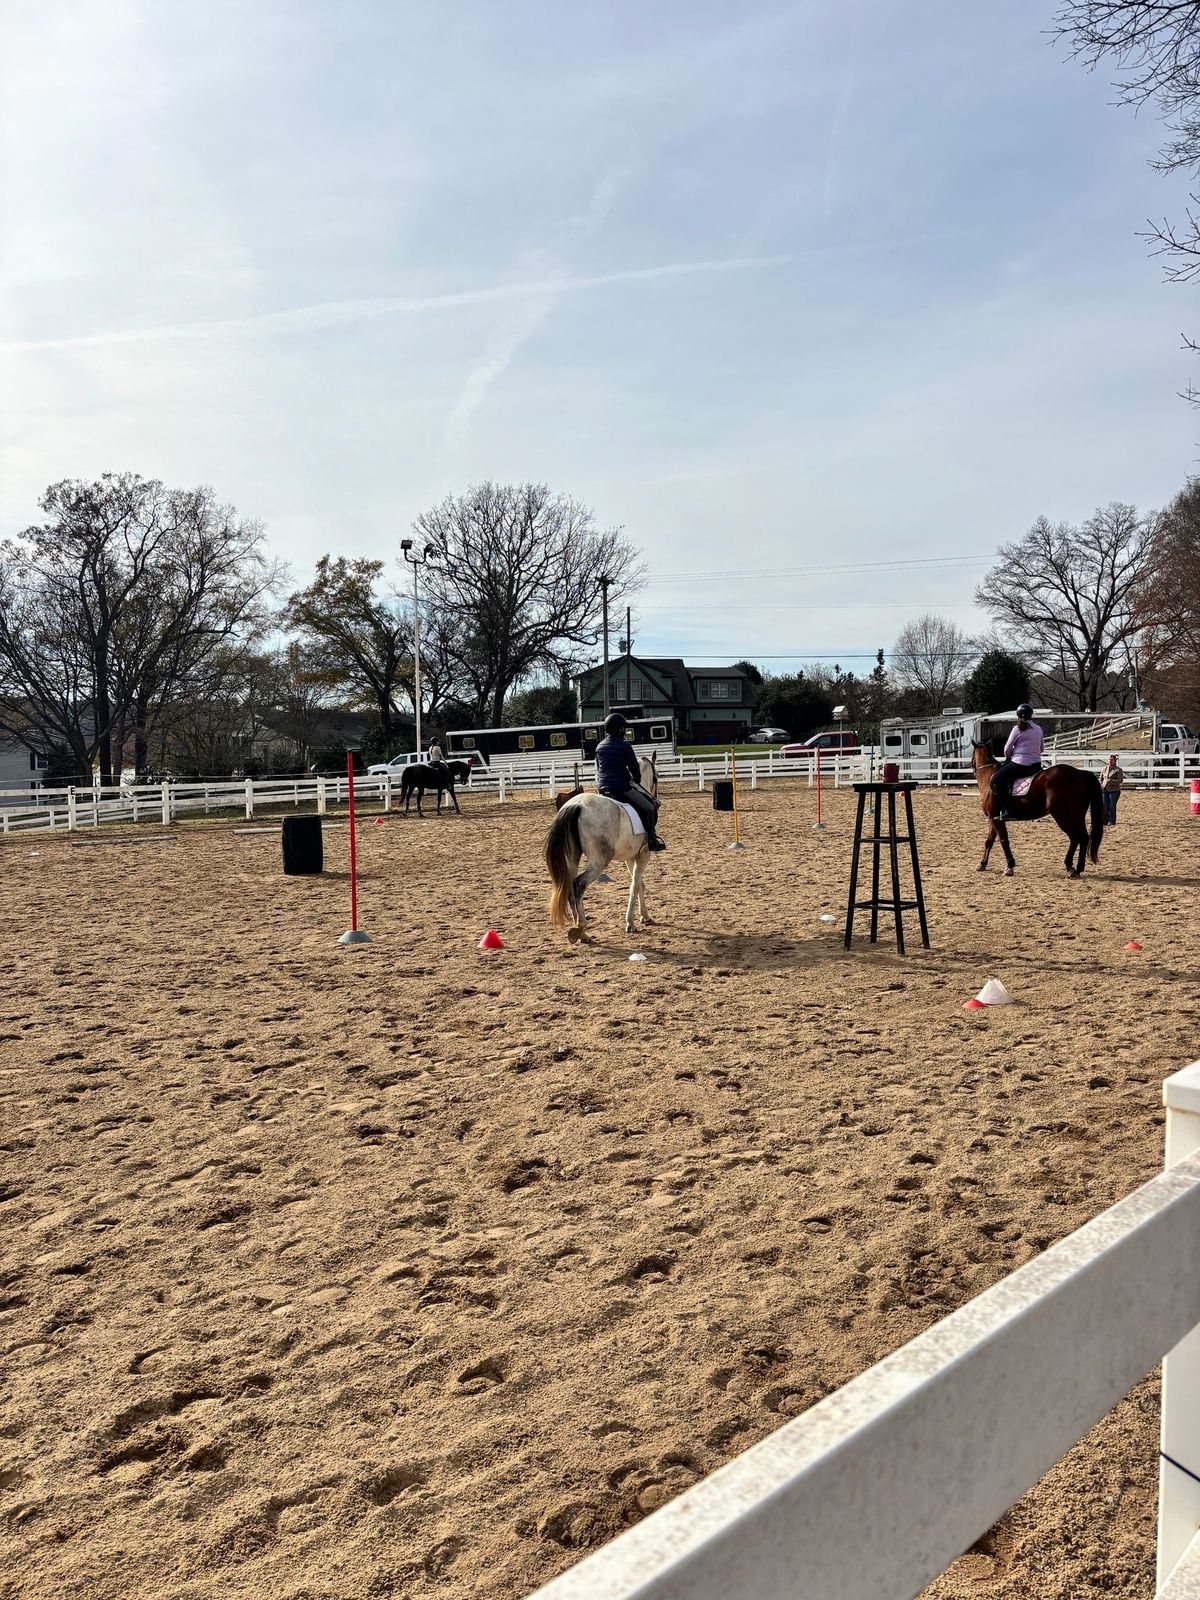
1068	794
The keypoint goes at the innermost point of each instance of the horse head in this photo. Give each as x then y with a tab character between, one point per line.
649	771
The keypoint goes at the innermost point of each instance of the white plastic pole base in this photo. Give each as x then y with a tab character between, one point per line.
818	825
354	936
736	845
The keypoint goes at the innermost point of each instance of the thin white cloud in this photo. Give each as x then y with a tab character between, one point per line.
333	313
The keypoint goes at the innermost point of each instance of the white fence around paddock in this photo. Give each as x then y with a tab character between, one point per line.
91	805
880	1486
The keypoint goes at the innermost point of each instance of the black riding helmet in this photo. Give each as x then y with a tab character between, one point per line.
1025	710
615	723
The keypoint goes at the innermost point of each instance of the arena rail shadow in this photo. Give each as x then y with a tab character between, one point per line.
880	1486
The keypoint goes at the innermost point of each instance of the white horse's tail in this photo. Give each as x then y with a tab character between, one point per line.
562	851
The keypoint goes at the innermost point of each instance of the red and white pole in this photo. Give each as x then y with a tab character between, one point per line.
353	934
817	757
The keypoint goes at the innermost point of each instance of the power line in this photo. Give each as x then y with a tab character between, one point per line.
744	573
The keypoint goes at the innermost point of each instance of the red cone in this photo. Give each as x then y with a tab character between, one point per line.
1133	945
379	822
491	941
974	1005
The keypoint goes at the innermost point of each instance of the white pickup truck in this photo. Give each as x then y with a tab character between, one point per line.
1176	739
397	764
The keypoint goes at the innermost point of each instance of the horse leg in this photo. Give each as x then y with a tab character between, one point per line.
578	886
987	846
640	865
1002	835
407	800
454	797
1070	827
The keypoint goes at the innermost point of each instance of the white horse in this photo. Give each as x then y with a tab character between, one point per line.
598	827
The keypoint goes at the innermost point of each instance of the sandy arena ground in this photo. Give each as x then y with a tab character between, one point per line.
406	1271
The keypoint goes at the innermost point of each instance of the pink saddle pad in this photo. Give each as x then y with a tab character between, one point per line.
1022	786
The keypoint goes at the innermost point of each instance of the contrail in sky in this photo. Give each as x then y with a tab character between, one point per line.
331	313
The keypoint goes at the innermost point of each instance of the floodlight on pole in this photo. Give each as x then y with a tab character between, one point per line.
416	562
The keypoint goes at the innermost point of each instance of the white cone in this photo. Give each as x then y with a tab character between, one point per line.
637	956
994	993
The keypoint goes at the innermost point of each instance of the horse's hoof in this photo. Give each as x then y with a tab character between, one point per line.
574	935
1008	871
982	867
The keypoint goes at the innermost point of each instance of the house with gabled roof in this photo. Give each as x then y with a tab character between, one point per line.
711	705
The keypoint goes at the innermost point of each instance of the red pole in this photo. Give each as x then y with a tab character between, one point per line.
353	855
818	756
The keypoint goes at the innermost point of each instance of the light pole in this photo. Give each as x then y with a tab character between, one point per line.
416	562
604	583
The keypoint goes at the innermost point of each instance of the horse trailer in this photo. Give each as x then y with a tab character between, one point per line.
561	744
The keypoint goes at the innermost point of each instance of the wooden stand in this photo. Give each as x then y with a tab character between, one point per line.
891	838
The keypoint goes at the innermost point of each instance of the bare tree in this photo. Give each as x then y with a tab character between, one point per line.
932	654
106	603
1170	661
1154	46
518	575
357	633
1067	600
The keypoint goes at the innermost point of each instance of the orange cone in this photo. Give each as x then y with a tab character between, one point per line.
491	941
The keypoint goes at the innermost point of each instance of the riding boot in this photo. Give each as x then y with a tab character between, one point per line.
653	843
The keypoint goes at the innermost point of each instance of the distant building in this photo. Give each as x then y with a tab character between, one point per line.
711	705
21	771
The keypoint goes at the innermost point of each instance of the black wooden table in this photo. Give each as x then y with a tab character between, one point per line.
877	839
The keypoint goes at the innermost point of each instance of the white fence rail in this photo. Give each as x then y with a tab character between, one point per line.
879	1487
87	807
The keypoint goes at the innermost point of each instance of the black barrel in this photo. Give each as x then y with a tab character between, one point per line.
723	794
302	849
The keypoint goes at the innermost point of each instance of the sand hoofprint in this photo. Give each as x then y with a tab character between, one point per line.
407	1270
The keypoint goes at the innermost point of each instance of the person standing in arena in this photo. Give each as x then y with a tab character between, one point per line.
1111	780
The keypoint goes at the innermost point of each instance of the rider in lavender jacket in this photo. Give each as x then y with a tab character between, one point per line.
1022	756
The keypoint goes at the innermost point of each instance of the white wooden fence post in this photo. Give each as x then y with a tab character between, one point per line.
387	791
249	797
700	776
166	801
1179	1466
754	774
321	802
134	794
71	809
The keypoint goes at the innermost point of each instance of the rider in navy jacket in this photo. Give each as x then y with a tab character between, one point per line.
618	775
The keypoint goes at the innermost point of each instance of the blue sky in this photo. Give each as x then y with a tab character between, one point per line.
777	288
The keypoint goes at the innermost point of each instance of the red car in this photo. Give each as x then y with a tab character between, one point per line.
844	742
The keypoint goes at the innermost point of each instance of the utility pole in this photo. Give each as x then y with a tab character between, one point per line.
628	657
604	583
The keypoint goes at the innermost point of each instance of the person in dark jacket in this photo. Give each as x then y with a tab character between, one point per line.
619	776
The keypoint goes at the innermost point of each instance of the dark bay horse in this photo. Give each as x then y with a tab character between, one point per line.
1068	794
439	775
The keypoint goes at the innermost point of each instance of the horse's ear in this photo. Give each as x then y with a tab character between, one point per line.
654	759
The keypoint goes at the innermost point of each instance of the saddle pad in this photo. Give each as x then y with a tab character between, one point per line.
635	821
1021	787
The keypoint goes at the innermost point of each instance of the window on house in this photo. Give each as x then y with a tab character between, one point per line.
37	761
702	689
719	689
